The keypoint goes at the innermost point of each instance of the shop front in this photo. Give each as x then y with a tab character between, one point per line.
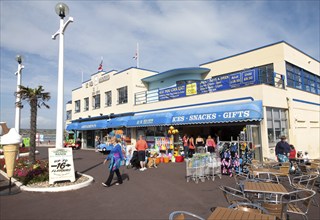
233	123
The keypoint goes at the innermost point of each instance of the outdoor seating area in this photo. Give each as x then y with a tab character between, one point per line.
270	191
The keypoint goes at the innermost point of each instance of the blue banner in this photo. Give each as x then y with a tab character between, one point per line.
217	83
172	93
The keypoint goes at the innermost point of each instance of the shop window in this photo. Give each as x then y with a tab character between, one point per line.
86	104
123	95
108	99
277	125
77	106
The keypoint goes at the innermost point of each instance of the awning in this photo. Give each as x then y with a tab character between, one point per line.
72	126
150	119
249	111
92	125
118	122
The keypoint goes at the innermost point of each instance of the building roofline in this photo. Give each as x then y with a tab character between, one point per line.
133	67
259	48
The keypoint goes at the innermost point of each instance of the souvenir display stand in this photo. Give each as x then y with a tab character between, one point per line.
167	148
235	155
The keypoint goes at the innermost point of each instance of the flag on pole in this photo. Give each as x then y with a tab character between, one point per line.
136	56
100	68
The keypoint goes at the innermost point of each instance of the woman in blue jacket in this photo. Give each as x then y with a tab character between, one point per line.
115	158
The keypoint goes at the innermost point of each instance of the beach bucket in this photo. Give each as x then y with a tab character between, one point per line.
10	154
161	159
157	160
179	159
166	159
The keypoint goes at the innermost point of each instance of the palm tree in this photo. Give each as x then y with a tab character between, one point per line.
36	98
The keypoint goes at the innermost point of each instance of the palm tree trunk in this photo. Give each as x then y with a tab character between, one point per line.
33	130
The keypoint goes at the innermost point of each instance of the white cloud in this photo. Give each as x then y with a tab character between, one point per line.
171	34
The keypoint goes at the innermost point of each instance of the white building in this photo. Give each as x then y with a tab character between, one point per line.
262	93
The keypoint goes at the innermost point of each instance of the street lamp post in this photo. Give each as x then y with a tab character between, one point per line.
62	10
19	59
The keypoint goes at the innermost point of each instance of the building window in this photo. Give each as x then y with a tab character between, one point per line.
299	78
77	106
266	74
86	104
277	125
96	101
108	99
68	116
123	95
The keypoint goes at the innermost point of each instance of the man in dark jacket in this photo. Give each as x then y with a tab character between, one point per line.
282	147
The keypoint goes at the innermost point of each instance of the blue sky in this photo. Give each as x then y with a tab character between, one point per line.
171	34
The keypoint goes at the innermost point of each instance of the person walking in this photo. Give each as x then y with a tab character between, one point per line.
185	140
97	142
141	147
115	158
211	144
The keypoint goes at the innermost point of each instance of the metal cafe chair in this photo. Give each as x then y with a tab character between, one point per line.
180	215
233	195
303	168
299	202
240	178
279	210
249	207
305	182
267	177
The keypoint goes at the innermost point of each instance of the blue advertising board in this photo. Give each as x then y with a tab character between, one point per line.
217	83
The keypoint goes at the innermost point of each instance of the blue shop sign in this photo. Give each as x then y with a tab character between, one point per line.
250	111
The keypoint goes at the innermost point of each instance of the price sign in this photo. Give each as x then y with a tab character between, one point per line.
61	166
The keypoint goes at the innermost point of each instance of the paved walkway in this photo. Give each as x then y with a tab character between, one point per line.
152	194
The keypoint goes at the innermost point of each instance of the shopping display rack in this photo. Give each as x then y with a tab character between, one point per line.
203	166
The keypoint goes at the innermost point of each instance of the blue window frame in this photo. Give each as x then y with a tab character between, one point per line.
302	79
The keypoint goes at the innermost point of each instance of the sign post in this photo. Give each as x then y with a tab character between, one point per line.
61	167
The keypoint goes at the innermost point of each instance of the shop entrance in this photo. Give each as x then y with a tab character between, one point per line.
217	131
228	132
90	139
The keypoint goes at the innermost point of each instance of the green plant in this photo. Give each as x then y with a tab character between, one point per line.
28	173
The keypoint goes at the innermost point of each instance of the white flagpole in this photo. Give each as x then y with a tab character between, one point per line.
81	76
138	55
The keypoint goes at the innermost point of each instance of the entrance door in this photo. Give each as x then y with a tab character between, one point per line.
90	139
254	136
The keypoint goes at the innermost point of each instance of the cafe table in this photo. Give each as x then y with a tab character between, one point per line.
265	188
277	172
224	213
